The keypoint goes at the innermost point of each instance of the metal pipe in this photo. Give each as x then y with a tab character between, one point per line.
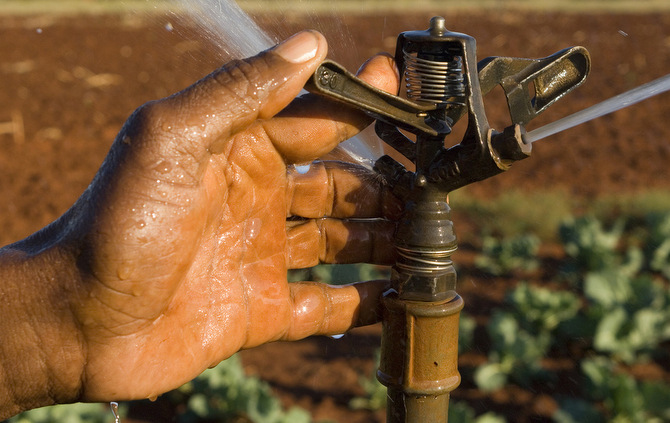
419	358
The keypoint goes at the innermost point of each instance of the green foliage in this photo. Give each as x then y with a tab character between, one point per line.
509	255
541	309
522	335
591	247
633	322
618	395
71	413
658	245
626	312
515	353
225	392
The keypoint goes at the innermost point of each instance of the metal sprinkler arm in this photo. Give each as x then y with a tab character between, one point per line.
549	78
419	349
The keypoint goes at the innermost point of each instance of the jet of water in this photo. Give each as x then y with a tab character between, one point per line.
225	24
610	105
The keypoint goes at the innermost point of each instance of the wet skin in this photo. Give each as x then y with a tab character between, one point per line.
176	255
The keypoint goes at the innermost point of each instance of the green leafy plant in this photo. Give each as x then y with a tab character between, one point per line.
658	244
515	353
633	315
509	255
614	396
225	392
590	246
541	309
626	310
522	335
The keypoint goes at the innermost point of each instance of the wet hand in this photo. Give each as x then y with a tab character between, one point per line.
183	241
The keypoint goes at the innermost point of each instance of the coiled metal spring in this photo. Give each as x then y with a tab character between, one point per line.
432	81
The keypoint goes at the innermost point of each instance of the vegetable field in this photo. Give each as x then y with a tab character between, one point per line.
564	261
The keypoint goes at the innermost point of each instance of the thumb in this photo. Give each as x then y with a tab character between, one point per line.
205	115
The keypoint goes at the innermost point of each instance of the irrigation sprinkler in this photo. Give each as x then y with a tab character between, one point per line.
444	82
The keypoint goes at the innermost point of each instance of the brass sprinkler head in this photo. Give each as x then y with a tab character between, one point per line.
443	83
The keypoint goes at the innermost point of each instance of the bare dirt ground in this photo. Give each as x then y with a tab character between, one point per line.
68	83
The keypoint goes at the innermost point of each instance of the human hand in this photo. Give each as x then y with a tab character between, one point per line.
176	256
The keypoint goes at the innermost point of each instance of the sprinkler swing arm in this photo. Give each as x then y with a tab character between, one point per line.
549	78
419	351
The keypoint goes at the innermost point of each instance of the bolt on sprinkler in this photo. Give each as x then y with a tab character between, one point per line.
444	82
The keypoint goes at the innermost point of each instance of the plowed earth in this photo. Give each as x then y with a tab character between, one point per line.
67	85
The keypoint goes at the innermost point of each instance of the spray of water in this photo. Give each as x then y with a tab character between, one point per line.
227	26
610	105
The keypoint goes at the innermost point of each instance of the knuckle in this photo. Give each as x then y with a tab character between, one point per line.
244	79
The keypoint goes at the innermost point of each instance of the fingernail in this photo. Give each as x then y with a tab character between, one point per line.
299	48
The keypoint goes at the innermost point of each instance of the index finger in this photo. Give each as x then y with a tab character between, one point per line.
312	126
340	190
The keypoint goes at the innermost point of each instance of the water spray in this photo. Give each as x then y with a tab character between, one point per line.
610	105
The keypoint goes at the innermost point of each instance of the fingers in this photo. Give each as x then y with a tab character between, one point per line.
335	241
312	126
340	190
320	309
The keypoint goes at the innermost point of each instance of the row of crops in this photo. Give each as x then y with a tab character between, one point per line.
607	310
611	312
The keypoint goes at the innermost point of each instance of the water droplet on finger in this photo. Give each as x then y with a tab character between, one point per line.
302	168
164	166
123	271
